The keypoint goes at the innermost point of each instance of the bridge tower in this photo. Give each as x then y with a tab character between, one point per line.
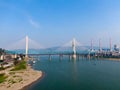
100	46
26	54
110	45
74	48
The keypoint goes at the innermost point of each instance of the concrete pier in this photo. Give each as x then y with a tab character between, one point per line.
50	57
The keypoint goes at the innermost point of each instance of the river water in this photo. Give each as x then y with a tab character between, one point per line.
82	74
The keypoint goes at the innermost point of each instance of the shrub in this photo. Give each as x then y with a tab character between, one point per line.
22	65
2	78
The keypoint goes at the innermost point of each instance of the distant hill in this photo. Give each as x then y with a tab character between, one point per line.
57	49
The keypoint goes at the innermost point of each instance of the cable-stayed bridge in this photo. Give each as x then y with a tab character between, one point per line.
21	44
32	44
72	49
68	46
28	46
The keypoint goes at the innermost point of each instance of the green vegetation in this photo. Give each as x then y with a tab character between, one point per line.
11	81
2	78
1	68
11	73
20	66
20	79
2	51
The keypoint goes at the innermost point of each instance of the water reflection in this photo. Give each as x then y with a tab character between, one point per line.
82	74
75	71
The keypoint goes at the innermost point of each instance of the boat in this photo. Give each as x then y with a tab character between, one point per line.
33	61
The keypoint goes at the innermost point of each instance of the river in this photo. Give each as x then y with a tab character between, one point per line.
82	74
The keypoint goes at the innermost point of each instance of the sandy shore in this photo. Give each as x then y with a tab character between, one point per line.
18	80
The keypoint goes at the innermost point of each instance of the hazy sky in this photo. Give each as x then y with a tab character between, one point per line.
55	22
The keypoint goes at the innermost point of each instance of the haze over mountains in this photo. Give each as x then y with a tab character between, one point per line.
56	49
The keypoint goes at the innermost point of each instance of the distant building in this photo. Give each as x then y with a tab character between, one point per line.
116	47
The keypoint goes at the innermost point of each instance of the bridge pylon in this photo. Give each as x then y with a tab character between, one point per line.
26	54
74	48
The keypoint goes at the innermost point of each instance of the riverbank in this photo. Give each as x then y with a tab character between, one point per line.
18	80
27	87
113	59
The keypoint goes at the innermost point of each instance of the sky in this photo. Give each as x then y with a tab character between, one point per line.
56	22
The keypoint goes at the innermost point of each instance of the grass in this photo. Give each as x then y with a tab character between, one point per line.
11	81
11	73
2	78
1	68
21	66
20	79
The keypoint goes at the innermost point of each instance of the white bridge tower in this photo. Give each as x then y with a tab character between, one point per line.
74	48
26	54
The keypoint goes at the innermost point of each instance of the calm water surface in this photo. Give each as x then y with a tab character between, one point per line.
77	75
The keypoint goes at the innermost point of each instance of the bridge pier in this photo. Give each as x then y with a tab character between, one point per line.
50	57
70	57
74	56
78	57
83	56
88	56
61	57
